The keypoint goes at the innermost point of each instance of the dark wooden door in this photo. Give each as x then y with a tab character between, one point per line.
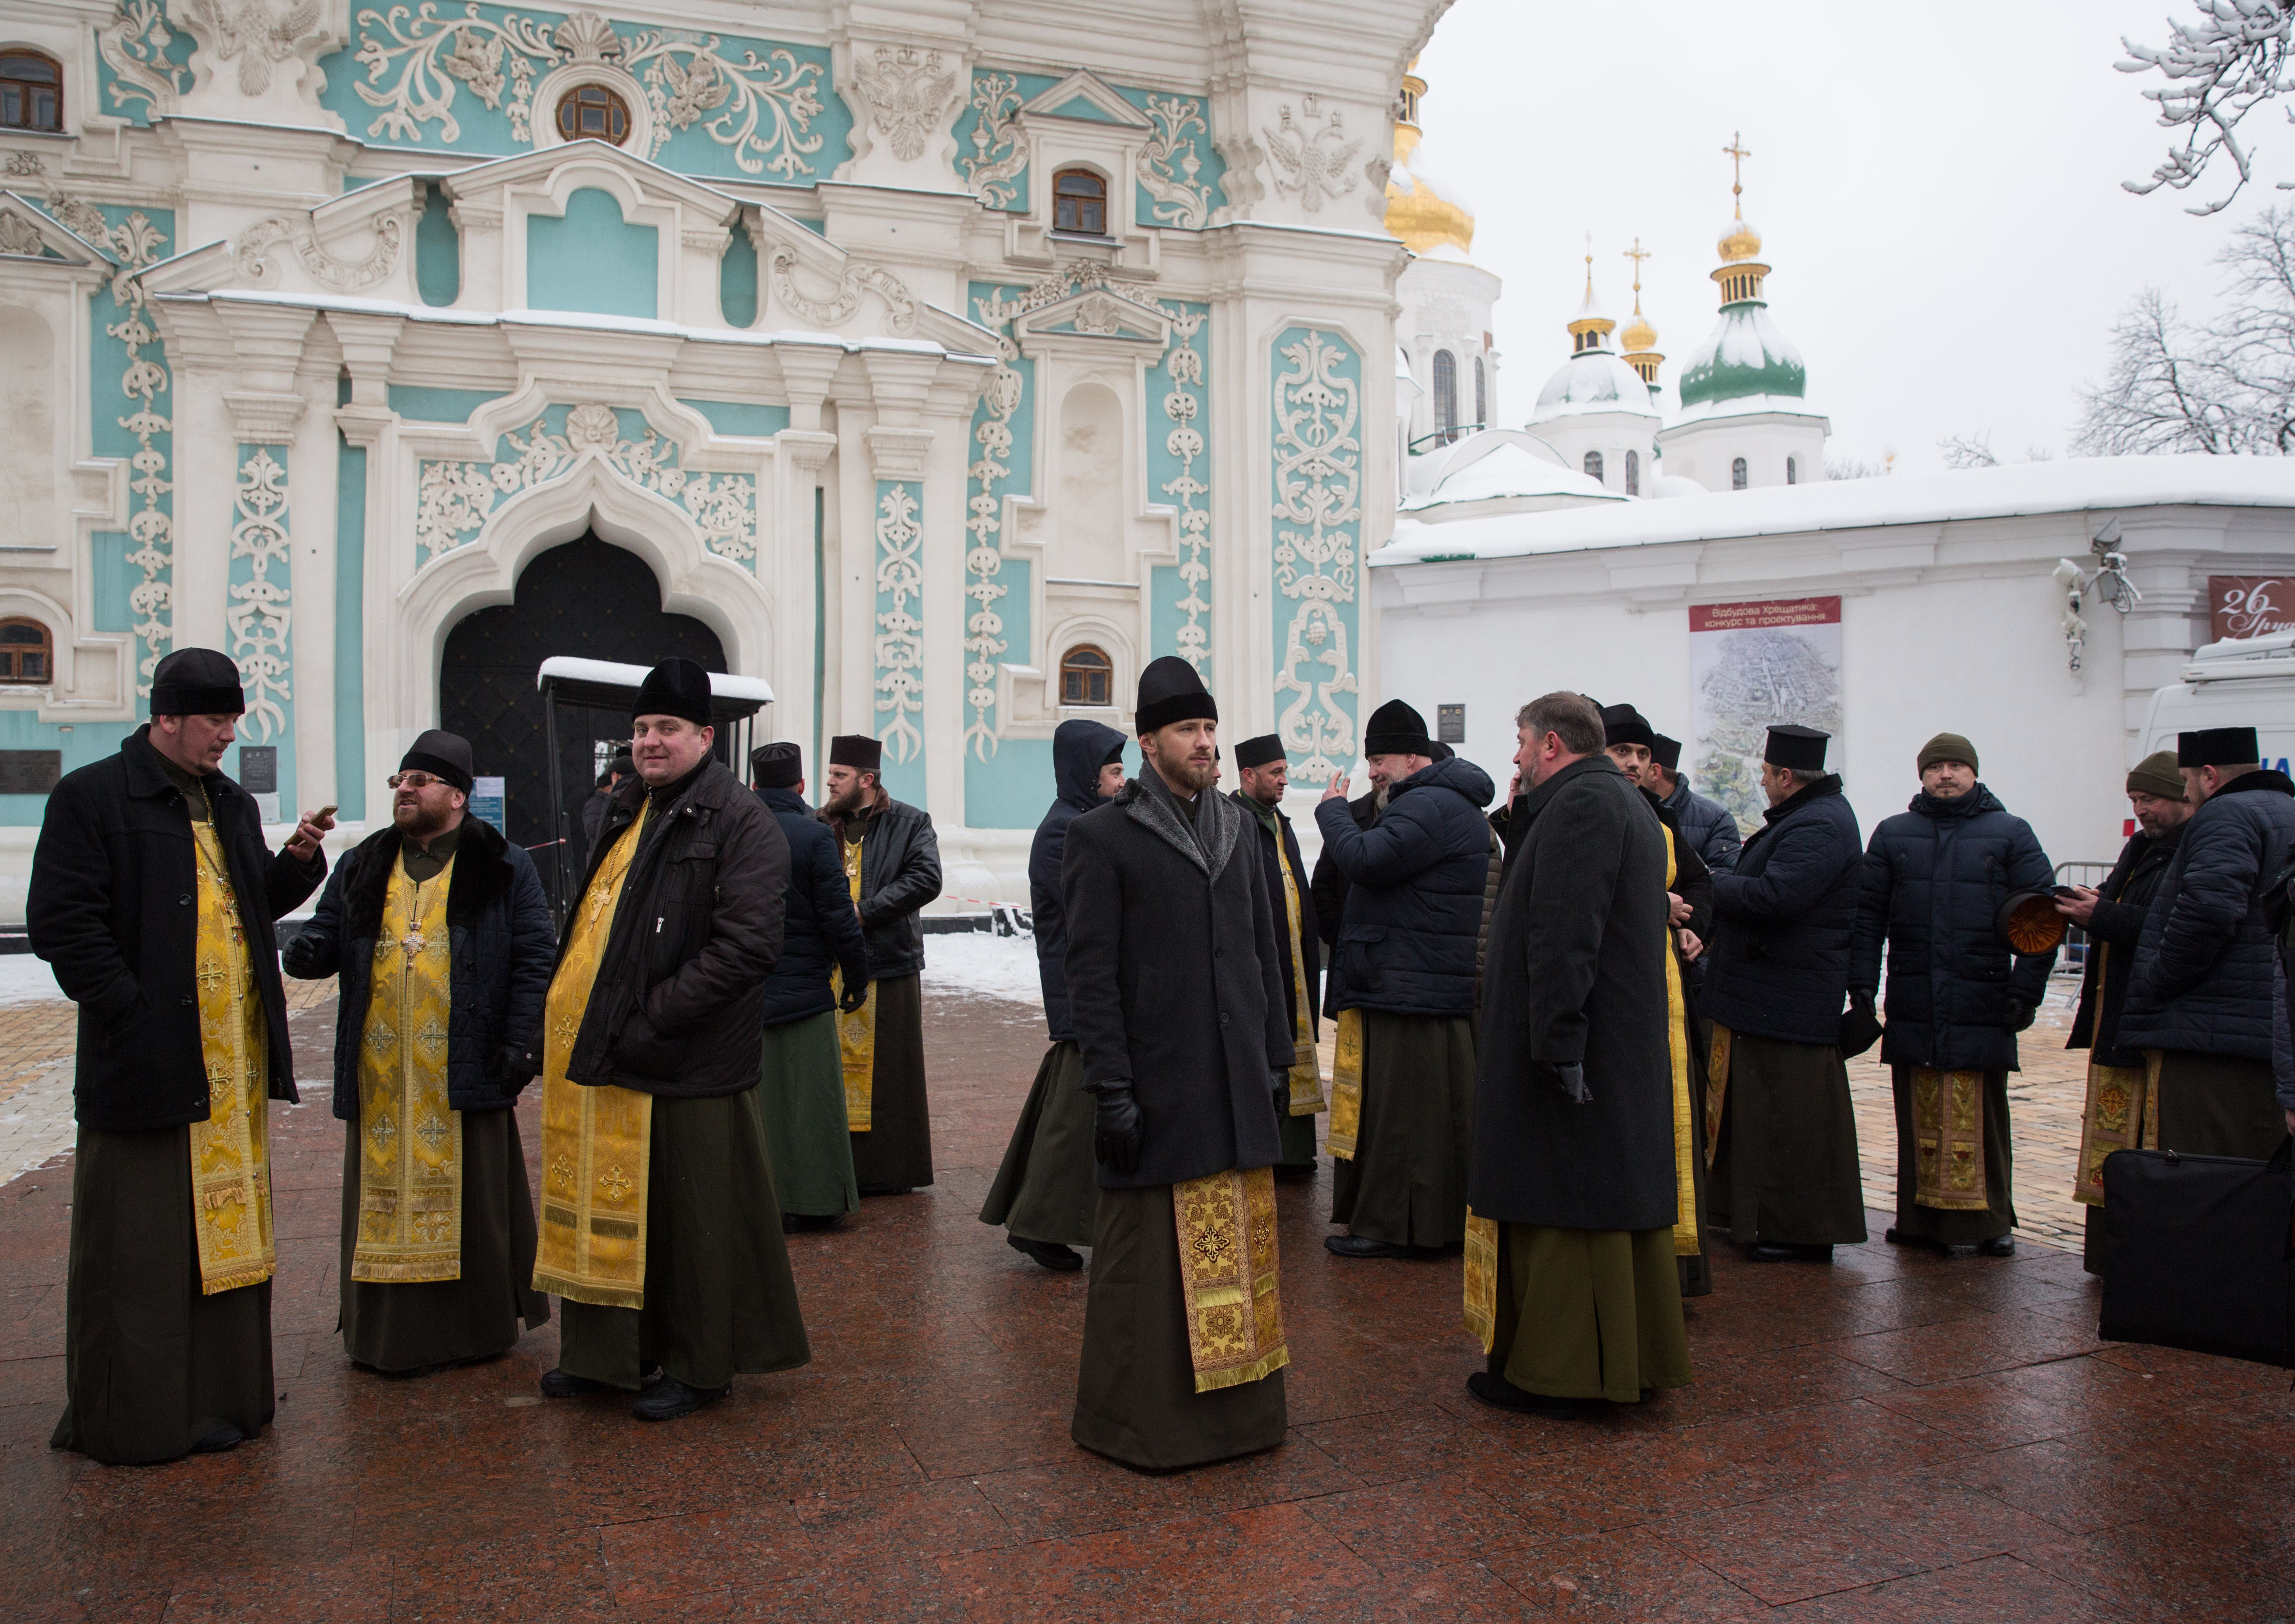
588	599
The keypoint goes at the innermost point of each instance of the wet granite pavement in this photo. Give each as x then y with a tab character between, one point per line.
1896	1436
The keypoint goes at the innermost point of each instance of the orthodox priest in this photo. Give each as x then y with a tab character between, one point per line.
443	941
801	1079
660	1227
1176	992
152	895
892	869
1570	1282
1043	1195
1780	1130
1263	773
1403	983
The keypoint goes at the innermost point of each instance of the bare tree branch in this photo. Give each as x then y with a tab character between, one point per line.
1969	450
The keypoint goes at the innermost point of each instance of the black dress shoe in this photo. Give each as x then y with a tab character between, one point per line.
1781	1252
1362	1246
563	1385
1051	1254
1999	1246
669	1398
223	1437
1494	1389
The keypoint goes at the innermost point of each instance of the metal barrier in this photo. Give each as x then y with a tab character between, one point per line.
2073	960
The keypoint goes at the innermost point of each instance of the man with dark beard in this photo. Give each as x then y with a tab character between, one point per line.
1263	773
1175	987
892	869
1043	1194
2112	915
437	927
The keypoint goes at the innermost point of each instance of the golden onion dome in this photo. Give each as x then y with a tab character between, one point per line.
1739	242
1417	212
1638	334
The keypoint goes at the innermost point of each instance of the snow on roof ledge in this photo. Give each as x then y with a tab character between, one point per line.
2079	484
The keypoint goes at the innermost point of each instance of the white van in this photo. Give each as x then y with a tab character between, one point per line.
2239	683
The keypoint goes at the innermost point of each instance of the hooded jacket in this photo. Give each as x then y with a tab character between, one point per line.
1935	877
1079	749
1706	824
1417	880
1783	919
820	930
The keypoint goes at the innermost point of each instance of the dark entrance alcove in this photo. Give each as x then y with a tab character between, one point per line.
588	599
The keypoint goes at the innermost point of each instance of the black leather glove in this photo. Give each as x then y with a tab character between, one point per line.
1282	1095
1116	1130
853	998
521	1065
2021	1014
1571	1080
1860	1028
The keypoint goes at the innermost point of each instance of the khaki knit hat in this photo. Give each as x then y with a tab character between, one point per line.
1948	747
2156	775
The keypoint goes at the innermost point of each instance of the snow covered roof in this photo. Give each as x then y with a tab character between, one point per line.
2080	485
1503	465
1595	380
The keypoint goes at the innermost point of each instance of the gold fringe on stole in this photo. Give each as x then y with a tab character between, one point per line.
231	1150
597	1143
1717	1090
1306	1067
1684	1140
1228	1271
410	1200
1482	1279
1346	1087
1949	1140
856	1032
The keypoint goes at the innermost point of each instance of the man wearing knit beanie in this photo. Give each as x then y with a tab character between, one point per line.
2112	916
1935	877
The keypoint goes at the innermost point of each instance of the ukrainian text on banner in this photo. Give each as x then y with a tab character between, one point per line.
1751	665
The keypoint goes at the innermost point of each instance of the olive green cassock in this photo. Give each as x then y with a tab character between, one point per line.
1044	1189
801	1095
1406	1183
720	1301
897	1152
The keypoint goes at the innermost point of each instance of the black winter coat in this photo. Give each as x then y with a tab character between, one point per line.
503	942
2113	932
1417	879
678	1006
1079	749
1330	884
1271	875
1577	976
113	906
1934	879
1706	824
819	928
900	873
1783	920
2204	964
1173	983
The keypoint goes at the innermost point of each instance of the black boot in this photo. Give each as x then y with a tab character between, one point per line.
1493	1389
1051	1254
669	1398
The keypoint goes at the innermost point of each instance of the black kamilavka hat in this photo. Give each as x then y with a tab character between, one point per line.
1260	751
1171	691
441	755
1799	749
197	682
1665	752
677	687
1622	724
779	765
2219	747
857	751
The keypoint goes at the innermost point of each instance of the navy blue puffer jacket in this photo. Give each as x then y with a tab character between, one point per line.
2204	965
1783	918
1934	879
1413	916
818	927
1079	749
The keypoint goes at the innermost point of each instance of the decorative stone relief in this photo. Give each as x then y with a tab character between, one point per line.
261	609
454	499
1183	409
249	32
1315	160
134	44
19	235
781	261
26	164
345	276
900	648
906	92
1317	517
1169	164
765	104
998	154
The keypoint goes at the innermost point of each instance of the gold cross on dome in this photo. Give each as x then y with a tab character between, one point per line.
1637	253
1737	154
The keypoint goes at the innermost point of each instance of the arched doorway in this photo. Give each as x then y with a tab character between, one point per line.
587	598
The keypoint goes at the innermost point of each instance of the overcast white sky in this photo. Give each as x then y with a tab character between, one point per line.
1937	185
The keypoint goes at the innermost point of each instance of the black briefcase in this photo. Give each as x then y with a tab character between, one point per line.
2201	1253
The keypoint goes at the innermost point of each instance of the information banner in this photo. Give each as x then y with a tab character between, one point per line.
489	801
1751	665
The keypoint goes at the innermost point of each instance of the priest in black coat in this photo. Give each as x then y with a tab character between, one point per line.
1569	1269
1176	997
1263	773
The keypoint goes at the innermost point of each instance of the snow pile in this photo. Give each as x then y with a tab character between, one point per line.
985	966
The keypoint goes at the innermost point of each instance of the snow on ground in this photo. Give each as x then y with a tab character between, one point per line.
987	966
24	980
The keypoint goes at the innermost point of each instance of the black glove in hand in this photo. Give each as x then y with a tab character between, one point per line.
1282	1095
851	1000
1571	1080
2021	1014
1116	1131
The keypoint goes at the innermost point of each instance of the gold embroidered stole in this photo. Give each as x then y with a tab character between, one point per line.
1717	1090
1677	1033
2122	1112
1949	1140
410	1200
1482	1279
231	1151
1346	1086
1228	1274
856	1032
596	1142
1306	1069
